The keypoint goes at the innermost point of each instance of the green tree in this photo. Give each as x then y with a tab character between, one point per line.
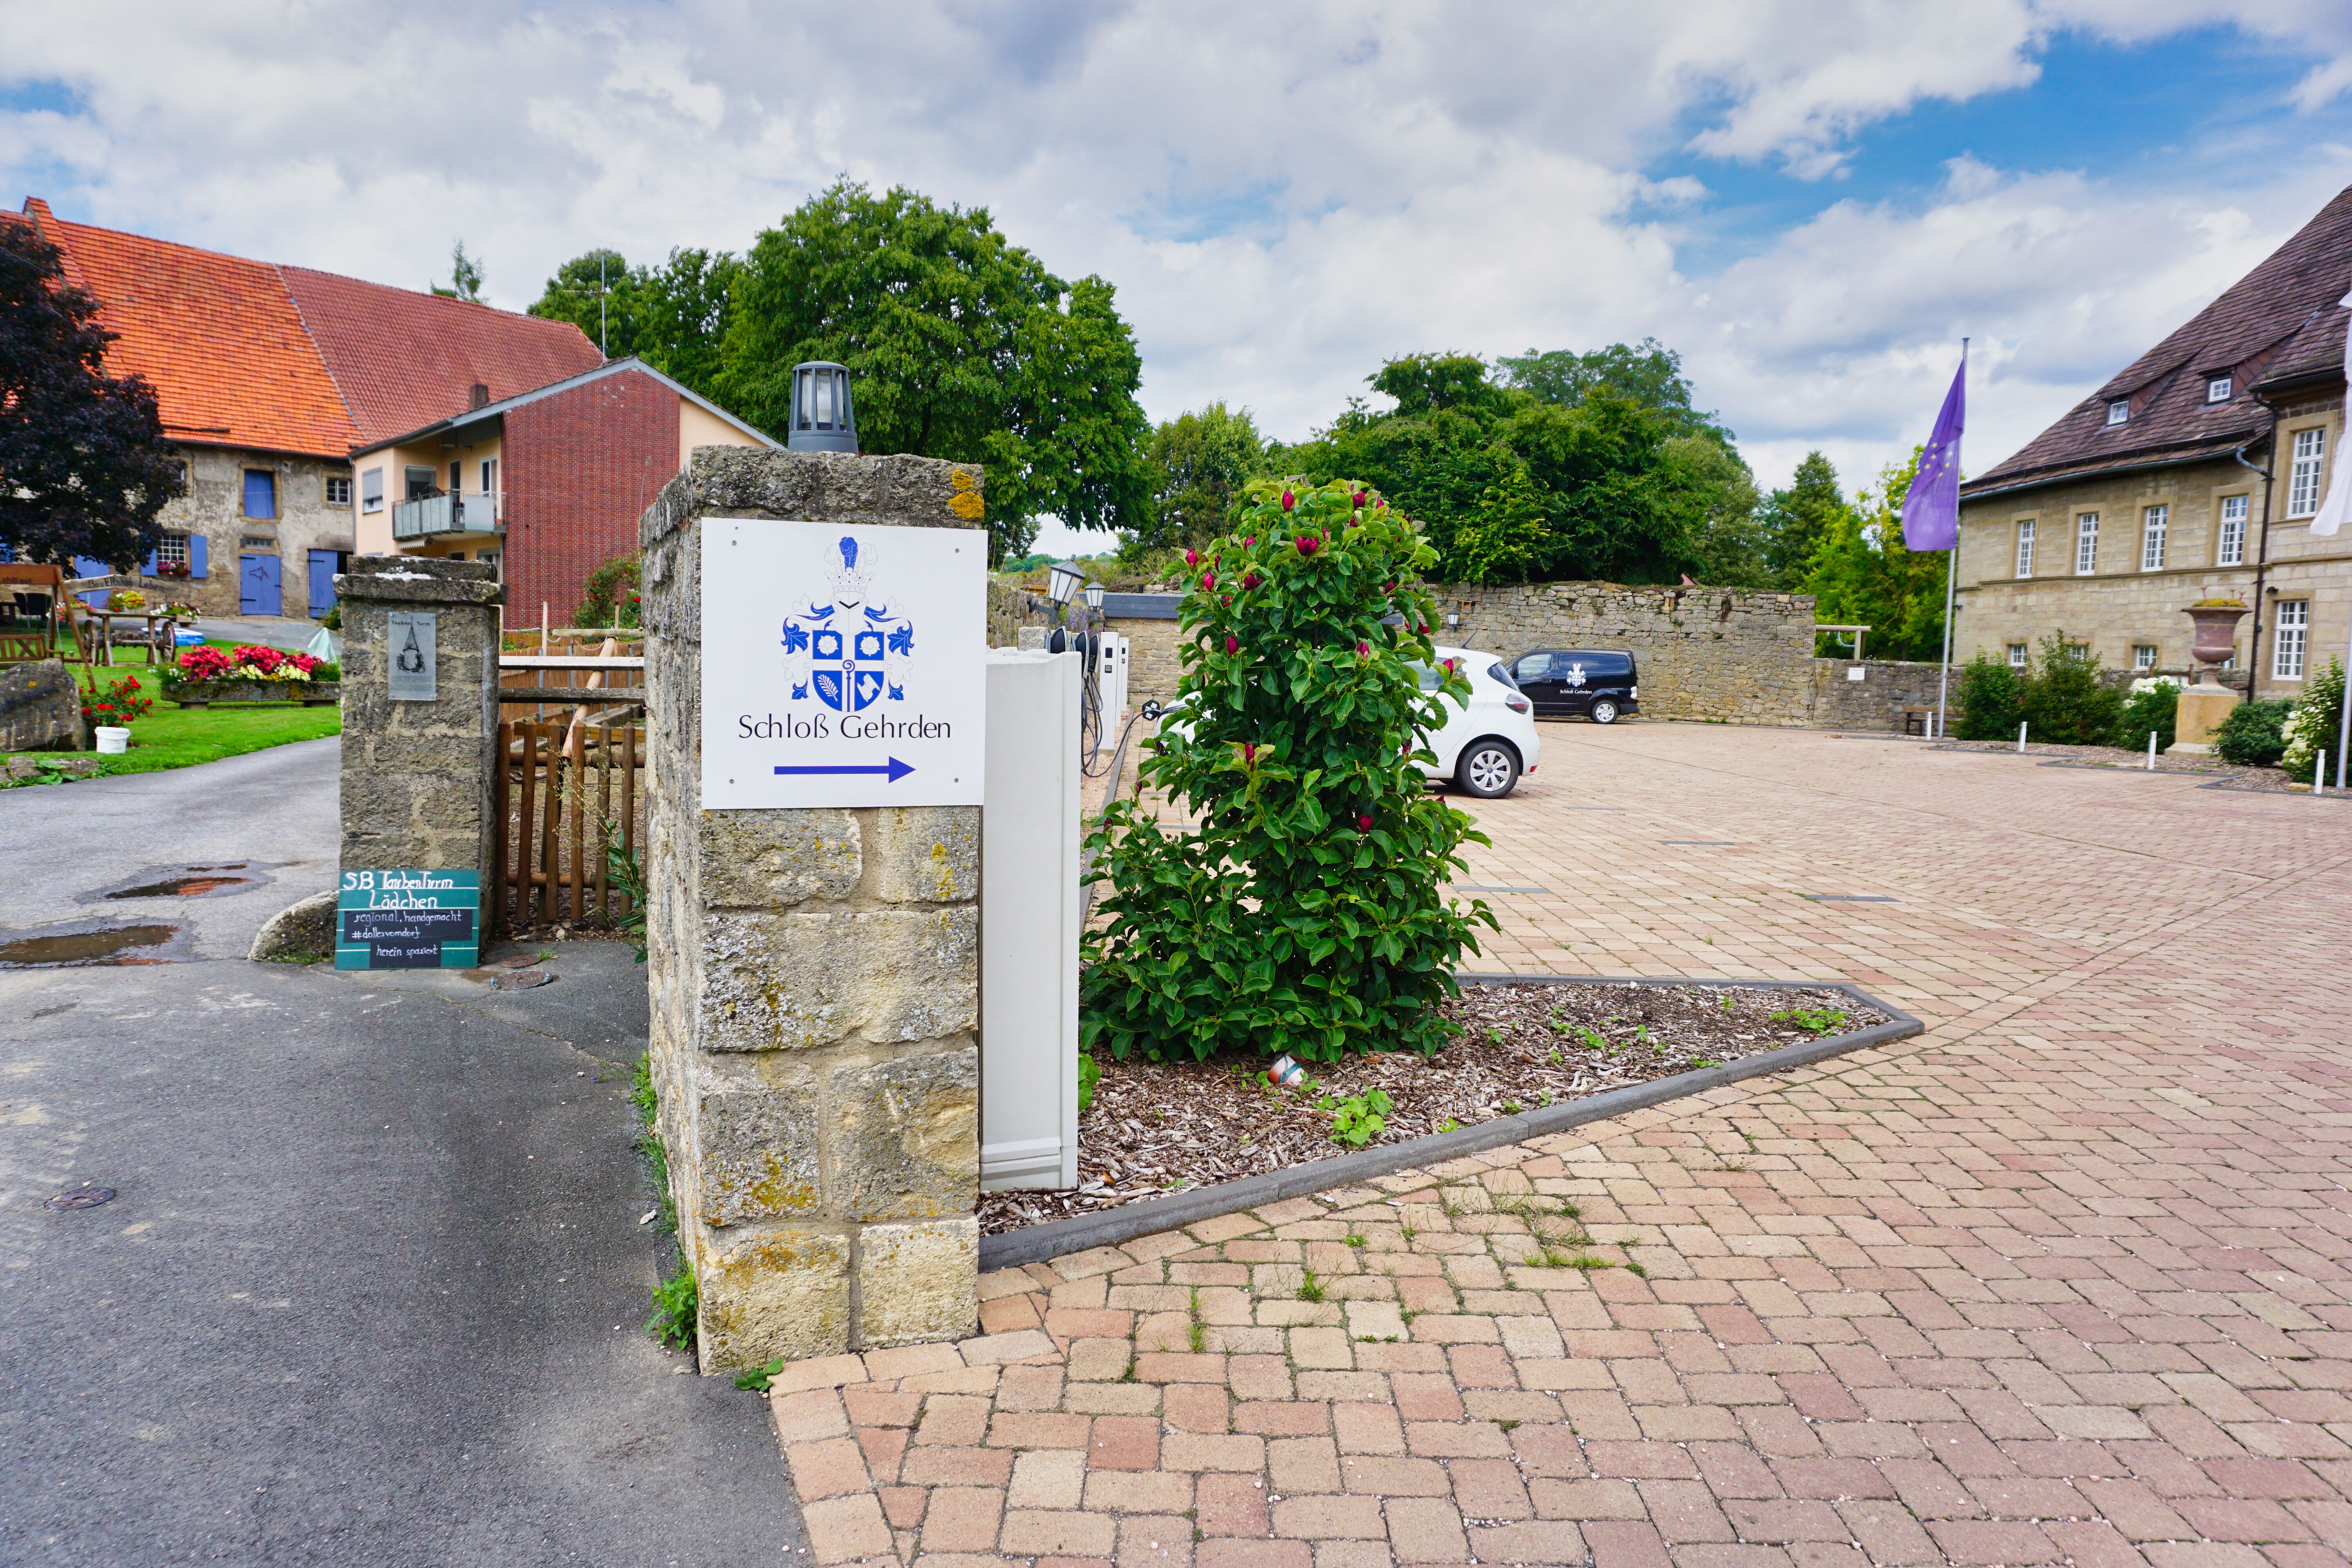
1198	464
963	347
1614	501
84	468
673	316
464	277
1733	538
1649	373
1307	912
1861	575
1796	519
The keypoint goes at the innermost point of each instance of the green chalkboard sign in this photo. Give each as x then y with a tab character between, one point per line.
409	919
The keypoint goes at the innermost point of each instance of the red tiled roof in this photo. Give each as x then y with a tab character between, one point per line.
2280	320
217	336
284	359
403	360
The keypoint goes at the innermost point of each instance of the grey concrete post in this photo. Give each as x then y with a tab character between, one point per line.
416	774
815	978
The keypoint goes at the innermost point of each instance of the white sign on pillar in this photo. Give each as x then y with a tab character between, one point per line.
842	665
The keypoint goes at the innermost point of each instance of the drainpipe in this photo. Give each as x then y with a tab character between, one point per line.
2262	550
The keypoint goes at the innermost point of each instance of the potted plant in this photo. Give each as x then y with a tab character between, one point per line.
248	674
109	714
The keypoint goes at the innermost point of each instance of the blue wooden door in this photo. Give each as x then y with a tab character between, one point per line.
258	586
322	583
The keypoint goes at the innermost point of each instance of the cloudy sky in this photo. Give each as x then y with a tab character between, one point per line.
1812	200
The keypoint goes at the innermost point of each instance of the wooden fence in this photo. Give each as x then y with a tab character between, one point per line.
565	792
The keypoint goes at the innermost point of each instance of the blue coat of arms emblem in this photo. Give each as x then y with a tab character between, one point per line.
842	649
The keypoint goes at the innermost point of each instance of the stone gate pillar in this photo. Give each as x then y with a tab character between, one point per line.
418	743
815	978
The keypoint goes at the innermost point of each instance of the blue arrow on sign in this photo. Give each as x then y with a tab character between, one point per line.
893	767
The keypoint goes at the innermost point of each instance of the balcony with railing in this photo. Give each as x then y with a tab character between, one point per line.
480	513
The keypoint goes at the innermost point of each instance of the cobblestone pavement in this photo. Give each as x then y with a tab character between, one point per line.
2059	1280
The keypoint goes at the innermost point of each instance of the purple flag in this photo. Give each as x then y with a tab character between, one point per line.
1931	510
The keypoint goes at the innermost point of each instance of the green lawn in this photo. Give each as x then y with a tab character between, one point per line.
172	737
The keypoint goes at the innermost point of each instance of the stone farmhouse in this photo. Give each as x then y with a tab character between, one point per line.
2194	473
272	379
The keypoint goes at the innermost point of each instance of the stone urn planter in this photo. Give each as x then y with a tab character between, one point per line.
204	693
2216	636
2204	706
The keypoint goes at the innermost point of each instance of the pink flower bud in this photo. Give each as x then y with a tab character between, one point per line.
1357	499
1363	824
1208	580
1250	541
1377	504
1191	558
1388	587
1362	648
1233	645
1307	544
1251	579
1249	752
1289	500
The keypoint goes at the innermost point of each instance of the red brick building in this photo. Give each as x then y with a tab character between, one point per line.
548	484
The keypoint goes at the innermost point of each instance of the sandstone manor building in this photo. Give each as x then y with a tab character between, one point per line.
2194	473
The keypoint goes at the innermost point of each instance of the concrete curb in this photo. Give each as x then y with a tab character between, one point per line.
1036	1243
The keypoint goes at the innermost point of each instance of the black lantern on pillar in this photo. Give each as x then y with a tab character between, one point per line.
822	419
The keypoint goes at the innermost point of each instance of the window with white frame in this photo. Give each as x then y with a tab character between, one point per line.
2017	655
2218	389
2144	655
2303	479
371	490
2086	543
2025	547
2153	526
2080	652
2232	549
339	490
2287	640
2118	411
489	476
172	550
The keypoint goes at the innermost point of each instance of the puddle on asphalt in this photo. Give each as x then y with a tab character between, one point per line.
184	882
88	946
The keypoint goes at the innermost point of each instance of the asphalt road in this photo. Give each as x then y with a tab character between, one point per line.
374	1285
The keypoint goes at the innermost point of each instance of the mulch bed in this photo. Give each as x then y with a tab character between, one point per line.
1157	1127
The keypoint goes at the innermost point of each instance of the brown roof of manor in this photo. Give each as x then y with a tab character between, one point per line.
2278	322
283	359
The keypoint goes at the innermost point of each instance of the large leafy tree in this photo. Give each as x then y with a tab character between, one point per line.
1512	487
1649	373
84	469
673	316
1861	575
962	346
1198	464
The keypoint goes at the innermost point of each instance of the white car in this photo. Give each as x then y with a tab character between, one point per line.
1486	742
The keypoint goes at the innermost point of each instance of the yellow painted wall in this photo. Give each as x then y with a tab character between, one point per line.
373	531
698	427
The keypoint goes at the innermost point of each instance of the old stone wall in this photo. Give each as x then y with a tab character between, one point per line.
1703	653
41	708
1010	608
214	507
815	979
416	775
1887	691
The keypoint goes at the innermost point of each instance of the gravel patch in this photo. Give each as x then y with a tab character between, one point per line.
2238	776
1158	1127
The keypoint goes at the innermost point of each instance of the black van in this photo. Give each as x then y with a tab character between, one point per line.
1599	684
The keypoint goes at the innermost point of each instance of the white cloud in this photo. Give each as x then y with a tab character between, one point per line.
1285	196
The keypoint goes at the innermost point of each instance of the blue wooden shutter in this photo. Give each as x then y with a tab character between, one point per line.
260	493
196	555
148	566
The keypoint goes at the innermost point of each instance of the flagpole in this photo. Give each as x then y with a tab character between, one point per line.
1951	569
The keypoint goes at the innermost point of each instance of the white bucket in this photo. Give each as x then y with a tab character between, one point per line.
114	740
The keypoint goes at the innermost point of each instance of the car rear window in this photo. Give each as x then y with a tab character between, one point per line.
1502	674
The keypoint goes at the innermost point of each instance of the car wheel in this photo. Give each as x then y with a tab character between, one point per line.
1605	711
1487	769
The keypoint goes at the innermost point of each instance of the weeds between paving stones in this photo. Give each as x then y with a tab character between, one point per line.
676	1300
1310	1286
1151	1125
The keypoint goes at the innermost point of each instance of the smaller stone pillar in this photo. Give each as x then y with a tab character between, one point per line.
416	773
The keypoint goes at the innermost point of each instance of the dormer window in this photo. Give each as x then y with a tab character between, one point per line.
2217	389
2118	411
